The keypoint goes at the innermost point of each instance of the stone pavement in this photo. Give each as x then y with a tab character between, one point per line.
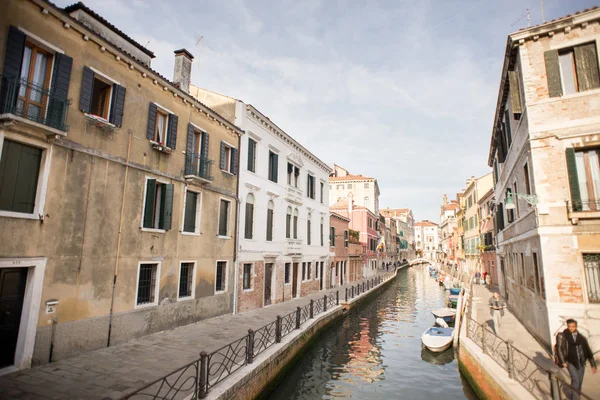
113	372
513	329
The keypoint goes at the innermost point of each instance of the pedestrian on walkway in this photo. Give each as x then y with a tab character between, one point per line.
497	306
573	351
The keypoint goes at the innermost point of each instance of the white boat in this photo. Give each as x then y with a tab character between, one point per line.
446	313
437	339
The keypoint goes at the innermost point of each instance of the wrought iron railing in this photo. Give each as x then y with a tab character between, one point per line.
199	166
583	205
194	380
33	102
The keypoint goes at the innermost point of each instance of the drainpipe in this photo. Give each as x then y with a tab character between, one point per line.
119	235
236	239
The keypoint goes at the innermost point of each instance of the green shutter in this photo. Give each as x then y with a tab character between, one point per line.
149	203
19	170
586	65
251	151
166	215
573	179
515	93
553	73
275	167
189	222
249	221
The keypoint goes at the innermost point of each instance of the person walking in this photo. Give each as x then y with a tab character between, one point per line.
573	351
497	306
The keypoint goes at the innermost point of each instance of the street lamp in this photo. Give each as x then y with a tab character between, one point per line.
529	198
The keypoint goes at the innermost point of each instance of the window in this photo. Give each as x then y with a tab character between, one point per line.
349	186
367	202
322	232
317	270
510	215
339	187
287	273
186	280
196	153
221	276
19	173
147	290
522	275
536	273
293	172
251	155
309	271
270	207
584	178
191	212
366	185
103	98
288	223
35	70
303	271
527	181
273	166
572	70
158	205
229	159
310	186
224	218
247	277
345	238
322	192
332	236
308	230
591	266
160	133
249	218
296	223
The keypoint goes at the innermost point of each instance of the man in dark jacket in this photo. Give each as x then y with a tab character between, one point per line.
573	351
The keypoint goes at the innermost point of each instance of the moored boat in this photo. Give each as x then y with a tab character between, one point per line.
437	339
453	299
455	290
446	313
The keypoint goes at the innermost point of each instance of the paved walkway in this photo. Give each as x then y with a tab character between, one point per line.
113	372
513	329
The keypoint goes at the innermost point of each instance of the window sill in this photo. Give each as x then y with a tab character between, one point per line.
100	122
247	290
227	173
13	214
224	237
148	305
190	233
48	131
154	230
160	147
584	214
220	292
187	298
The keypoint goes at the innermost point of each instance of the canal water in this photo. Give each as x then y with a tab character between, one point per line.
375	353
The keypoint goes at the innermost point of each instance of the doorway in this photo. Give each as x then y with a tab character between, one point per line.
268	283
295	280
321	276
343	267
12	295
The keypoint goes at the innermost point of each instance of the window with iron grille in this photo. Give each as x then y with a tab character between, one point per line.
346	238
247	277
186	279
288	267
147	284
308	271
591	266
303	271
220	276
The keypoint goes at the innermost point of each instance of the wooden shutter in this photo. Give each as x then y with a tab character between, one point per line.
87	88
118	105
189	222
269	224
204	156
275	167
172	132
189	151
19	170
152	110
251	148
586	65
515	92
234	161
57	104
508	128
308	236
149	203
249	221
167	207
15	46
499	217
553	73
223	157
573	179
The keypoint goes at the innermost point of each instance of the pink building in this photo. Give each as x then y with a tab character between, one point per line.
487	247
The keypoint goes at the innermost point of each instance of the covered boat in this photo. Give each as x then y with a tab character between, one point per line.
437	339
447	314
454	290
453	300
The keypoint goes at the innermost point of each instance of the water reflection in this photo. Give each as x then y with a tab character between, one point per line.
376	352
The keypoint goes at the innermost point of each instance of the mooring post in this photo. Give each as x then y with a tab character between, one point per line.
324	303
298	317
278	329
346	297
312	308
509	364
250	347
337	297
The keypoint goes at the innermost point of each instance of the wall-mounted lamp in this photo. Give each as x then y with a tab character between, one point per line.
529	198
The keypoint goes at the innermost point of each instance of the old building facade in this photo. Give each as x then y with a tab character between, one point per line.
427	236
544	153
475	189
117	210
363	190
487	247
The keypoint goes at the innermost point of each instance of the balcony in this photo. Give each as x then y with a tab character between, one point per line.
584	209
29	103
197	169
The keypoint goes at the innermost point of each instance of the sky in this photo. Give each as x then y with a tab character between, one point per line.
400	90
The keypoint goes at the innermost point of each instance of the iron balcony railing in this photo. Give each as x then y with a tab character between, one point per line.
198	166
33	102
583	205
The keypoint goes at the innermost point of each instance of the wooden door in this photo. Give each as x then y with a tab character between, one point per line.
295	281
268	280
321	276
12	292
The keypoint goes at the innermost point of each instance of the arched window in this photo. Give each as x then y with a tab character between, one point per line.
296	223
270	208
288	223
308	233
249	222
322	232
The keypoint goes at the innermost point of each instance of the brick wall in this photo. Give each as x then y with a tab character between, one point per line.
253	298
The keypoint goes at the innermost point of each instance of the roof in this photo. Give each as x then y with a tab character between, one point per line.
335	215
80	6
343	205
351	178
453	205
426	223
558	19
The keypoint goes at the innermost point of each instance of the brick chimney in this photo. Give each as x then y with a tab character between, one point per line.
182	73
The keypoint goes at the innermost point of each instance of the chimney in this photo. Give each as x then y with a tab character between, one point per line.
183	69
445	199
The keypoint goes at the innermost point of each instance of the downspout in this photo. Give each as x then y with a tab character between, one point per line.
119	235
236	240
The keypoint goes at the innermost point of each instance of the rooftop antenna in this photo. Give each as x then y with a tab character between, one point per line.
543	12
528	15
199	45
